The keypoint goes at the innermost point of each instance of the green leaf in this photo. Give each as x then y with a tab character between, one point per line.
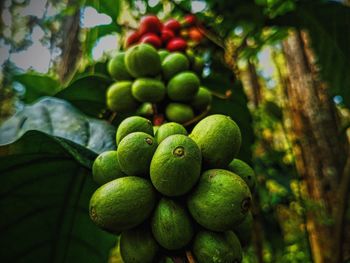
99	69
87	93
59	118
37	86
45	194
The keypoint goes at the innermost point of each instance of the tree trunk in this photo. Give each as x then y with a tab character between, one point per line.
70	44
258	233
254	83
320	151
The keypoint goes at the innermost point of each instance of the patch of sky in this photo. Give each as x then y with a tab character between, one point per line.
141	6
206	71
105	45
238	31
198	6
338	99
34	8
91	18
267	66
36	57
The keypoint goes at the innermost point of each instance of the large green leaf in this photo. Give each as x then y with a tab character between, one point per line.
37	86
59	118
87	93
45	193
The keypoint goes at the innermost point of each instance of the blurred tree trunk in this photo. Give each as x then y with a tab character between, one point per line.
255	96
70	43
252	88
319	149
254	83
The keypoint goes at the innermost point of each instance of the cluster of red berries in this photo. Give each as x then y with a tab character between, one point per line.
172	35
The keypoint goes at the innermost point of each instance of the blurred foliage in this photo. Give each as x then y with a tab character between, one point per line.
329	26
282	210
249	26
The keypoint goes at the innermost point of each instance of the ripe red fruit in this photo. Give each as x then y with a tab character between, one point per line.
190	20
177	44
133	38
173	25
152	39
150	24
167	35
195	34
